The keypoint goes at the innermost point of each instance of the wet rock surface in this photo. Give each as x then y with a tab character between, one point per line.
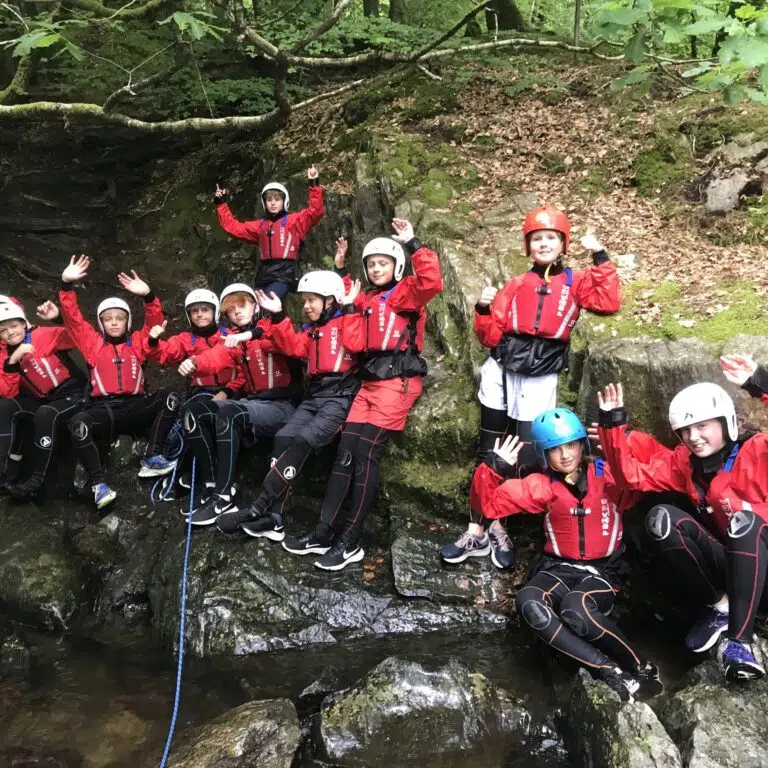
443	716
259	734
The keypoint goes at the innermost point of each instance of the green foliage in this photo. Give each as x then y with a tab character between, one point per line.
664	165
194	25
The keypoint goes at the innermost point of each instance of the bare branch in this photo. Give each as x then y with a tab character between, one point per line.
452	31
321	28
128	11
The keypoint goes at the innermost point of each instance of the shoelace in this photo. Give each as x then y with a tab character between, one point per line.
500	539
467	539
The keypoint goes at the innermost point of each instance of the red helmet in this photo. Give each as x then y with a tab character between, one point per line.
547	217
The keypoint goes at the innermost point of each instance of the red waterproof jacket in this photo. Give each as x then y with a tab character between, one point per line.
266	373
187	344
116	369
42	373
586	529
529	322
390	324
280	239
742	480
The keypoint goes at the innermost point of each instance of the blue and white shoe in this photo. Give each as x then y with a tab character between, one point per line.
468	545
707	630
502	554
156	466
103	495
738	661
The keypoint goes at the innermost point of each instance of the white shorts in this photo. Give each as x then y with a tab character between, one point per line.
527	396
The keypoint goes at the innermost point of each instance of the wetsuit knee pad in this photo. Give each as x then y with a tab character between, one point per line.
572	614
78	428
536	615
658	522
741	524
173	401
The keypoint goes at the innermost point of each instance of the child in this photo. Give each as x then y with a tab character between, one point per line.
215	429
390	321
716	556
574	582
330	344
40	384
118	404
527	326
202	309
279	234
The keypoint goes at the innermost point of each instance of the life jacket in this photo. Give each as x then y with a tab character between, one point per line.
589	529
326	355
714	505
40	375
117	371
212	380
264	371
277	240
544	309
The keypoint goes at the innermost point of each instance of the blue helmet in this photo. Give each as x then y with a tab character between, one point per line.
557	427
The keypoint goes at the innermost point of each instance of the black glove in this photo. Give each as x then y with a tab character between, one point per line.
221	199
500	466
616	417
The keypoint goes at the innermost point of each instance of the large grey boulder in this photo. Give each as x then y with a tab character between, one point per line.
603	732
406	714
259	734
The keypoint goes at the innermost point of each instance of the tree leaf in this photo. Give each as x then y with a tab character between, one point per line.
624	17
707	26
699	69
637	75
760	97
682	5
733	95
634	51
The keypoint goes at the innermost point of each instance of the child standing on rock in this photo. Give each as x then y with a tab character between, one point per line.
279	234
527	327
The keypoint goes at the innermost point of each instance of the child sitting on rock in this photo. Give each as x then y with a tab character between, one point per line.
527	326
279	234
118	403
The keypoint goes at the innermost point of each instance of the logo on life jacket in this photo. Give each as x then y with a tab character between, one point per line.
334	340
605	517
382	316
563	299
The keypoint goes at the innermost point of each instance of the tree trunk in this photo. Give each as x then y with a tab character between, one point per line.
371	7
397	11
508	16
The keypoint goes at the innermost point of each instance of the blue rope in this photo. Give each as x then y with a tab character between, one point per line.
182	622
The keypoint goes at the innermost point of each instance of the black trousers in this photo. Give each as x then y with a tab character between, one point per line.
104	419
44	418
568	609
701	568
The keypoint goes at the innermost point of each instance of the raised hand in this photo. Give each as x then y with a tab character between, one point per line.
269	302
403	231
737	368
76	270
312	173
341	253
231	340
188	366
221	194
133	283
611	397
21	352
156	331
48	311
590	243
593	436
488	294
353	292
508	449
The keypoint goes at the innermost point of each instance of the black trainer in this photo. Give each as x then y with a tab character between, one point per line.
269	526
210	511
312	543
621	682
340	555
31	488
650	682
233	518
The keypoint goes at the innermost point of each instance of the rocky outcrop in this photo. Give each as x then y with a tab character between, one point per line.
602	732
259	734
435	716
740	170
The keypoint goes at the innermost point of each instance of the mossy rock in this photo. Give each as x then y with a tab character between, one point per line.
663	167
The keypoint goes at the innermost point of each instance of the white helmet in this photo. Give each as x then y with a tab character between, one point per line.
386	246
10	310
701	402
202	296
238	288
113	303
323	282
274	186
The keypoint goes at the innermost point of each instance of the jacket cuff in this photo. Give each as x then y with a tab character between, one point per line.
313	182
150	297
348	309
617	417
257	333
600	257
66	286
343	272
499	466
757	383
222	200
153	342
229	392
413	245
11	368
277	317
483	309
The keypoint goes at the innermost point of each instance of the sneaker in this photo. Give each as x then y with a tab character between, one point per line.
502	554
185	480
621	682
707	630
738	661
340	555
309	544
269	526
208	512
469	545
31	488
233	518
647	676
103	495
156	466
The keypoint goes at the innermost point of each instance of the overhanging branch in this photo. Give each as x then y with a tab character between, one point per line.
321	28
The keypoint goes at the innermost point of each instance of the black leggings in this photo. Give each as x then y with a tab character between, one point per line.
496	425
355	474
701	568
104	420
45	418
567	608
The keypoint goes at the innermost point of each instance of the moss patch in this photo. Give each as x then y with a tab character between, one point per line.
663	167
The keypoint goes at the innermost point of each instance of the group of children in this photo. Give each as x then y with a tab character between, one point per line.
361	350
